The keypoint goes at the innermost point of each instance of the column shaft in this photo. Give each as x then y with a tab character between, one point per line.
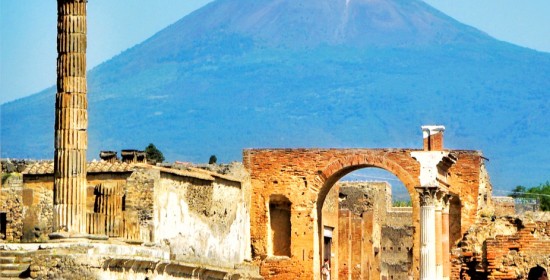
71	119
427	241
445	244
438	245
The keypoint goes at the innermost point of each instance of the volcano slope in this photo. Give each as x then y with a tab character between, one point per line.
311	73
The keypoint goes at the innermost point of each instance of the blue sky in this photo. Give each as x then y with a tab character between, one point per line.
28	31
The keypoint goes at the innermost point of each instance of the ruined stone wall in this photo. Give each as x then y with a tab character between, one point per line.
397	244
502	248
398	217
485	193
201	220
504	206
465	184
11	207
305	175
139	199
38	208
356	246
385	230
36	196
360	196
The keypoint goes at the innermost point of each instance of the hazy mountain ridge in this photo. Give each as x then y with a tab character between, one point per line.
227	77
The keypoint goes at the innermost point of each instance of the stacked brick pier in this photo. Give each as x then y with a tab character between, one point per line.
71	120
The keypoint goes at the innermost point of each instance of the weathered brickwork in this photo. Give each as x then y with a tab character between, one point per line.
466	177
502	248
305	176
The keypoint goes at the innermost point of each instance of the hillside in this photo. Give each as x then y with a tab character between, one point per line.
312	73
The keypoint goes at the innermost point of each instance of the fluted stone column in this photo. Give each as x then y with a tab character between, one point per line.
438	239
71	121
445	238
433	190
427	232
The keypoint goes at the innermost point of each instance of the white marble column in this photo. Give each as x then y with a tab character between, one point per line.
427	232
445	238
428	194
438	239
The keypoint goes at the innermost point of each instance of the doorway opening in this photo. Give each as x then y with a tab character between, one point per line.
3	225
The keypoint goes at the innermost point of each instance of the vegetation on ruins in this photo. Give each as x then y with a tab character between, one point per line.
541	193
213	159
154	155
402	203
5	177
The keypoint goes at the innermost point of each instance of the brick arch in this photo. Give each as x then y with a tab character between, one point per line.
304	175
338	168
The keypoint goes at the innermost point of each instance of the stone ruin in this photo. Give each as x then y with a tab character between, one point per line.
276	216
185	221
141	220
365	219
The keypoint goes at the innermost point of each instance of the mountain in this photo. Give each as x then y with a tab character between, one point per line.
313	73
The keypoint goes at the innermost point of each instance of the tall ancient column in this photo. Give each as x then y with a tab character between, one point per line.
429	191
71	121
427	232
438	239
445	238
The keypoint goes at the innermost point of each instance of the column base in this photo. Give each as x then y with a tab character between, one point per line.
73	236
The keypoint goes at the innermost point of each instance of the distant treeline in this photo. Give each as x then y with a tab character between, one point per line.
541	193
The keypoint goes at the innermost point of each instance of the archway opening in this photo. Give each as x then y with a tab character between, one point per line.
366	226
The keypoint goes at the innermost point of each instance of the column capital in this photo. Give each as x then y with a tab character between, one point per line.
446	202
427	195
442	199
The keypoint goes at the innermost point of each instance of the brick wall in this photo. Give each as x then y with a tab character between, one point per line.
306	176
502	248
465	180
510	257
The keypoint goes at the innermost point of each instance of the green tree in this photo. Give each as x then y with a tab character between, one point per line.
213	159
401	203
519	191
541	193
154	155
